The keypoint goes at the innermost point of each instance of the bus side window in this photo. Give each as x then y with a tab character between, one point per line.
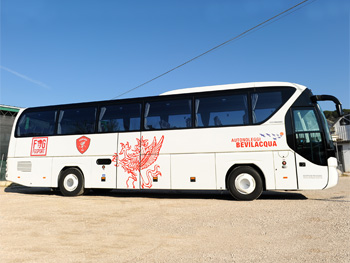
221	110
265	104
77	120
170	114
119	117
38	123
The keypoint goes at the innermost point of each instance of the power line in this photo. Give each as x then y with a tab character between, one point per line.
241	35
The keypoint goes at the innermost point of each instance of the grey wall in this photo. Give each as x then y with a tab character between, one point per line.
6	123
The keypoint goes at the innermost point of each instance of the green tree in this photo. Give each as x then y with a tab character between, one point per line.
332	116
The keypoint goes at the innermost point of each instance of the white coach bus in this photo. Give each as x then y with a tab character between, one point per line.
245	138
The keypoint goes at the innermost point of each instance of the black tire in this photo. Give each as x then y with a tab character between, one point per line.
245	183
71	182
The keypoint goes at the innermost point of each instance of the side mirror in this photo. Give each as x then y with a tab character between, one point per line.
339	110
338	105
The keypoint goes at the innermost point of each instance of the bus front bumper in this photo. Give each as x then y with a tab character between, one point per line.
333	172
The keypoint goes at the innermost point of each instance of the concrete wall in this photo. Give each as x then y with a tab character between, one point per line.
346	156
6	123
342	133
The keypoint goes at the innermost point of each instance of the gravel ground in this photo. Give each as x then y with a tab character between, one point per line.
37	225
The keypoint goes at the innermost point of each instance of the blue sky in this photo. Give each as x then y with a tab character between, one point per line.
64	51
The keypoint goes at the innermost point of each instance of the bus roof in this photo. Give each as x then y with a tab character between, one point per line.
235	86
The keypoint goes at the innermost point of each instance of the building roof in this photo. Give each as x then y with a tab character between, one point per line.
343	131
9	108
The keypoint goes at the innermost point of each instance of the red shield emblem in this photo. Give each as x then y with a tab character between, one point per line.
83	144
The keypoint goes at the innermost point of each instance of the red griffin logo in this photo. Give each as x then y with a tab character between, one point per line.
83	144
129	159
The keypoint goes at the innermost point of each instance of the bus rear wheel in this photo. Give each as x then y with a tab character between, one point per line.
244	183
71	182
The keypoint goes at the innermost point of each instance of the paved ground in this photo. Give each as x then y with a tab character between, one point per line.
37	225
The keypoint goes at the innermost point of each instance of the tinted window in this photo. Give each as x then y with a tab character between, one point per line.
170	114
36	123
124	117
308	137
222	110
305	120
77	120
265	104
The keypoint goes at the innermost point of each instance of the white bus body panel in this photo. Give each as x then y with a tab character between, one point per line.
26	169
263	160
310	176
199	153
65	148
199	167
83	163
159	175
285	171
62	152
30	171
103	176
209	155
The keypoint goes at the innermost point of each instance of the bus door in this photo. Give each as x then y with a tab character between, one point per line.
127	159
310	156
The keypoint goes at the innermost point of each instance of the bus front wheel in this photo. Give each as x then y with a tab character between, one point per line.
244	183
71	182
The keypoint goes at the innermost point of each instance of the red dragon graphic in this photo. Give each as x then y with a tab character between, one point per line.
141	157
